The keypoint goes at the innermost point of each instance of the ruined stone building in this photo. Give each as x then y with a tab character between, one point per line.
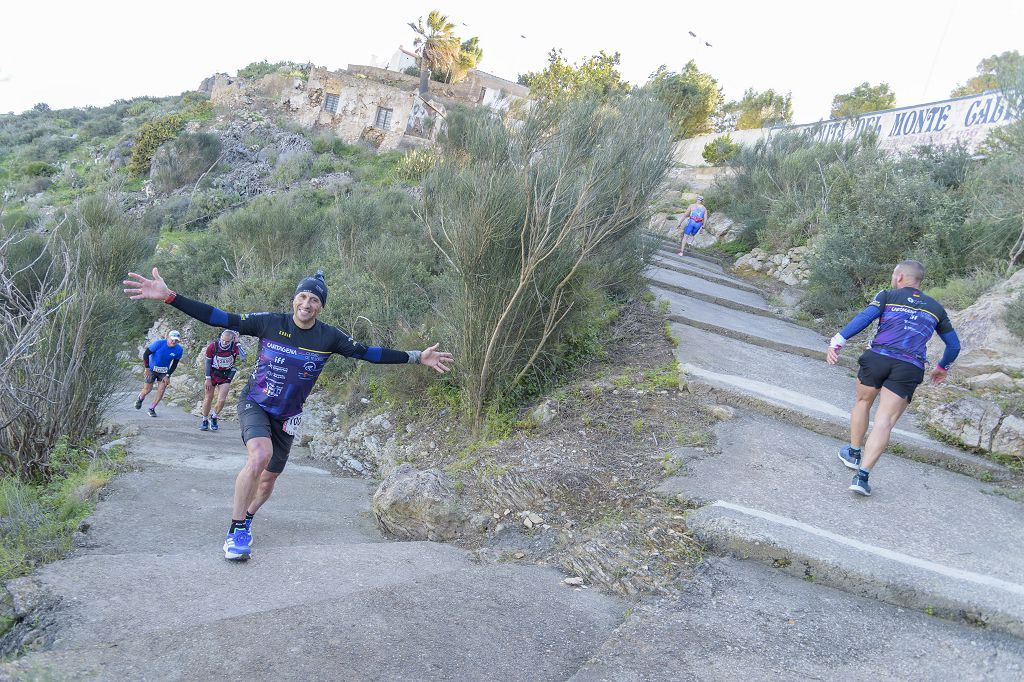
365	104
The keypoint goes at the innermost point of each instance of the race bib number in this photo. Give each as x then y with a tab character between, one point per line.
291	426
161	370
223	361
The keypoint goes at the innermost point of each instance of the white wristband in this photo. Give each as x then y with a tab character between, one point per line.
837	341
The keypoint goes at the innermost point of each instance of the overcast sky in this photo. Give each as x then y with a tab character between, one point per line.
91	53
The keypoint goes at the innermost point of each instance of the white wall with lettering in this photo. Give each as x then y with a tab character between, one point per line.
966	120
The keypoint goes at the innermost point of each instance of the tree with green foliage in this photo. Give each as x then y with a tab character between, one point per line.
863	99
439	47
756	110
992	72
691	97
595	76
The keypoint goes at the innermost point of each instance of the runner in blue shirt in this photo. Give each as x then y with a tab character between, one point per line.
160	360
696	215
294	347
893	366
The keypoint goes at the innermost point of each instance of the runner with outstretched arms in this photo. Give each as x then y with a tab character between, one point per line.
294	347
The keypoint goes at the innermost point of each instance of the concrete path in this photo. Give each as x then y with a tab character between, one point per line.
774	489
151	597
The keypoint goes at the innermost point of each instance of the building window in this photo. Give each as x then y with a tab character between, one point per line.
383	120
331	103
483	94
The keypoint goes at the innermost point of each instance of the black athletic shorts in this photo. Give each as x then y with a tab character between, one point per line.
881	371
258	424
153	377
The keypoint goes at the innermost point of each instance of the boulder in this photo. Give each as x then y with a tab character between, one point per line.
988	346
420	505
972	420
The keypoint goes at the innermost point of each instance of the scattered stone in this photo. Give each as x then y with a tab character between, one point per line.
574	582
723	412
519	555
545	412
120	442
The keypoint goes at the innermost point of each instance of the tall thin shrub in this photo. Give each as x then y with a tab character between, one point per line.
531	217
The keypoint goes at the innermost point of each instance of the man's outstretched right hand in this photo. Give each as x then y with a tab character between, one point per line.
139	288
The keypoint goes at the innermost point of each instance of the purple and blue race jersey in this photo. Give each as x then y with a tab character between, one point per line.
290	360
908	320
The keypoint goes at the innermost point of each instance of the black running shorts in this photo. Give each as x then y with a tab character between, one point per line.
258	424
881	371
153	377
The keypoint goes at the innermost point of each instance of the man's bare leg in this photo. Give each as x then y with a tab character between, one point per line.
207	400
890	408
246	483
222	397
146	388
263	491
160	391
861	414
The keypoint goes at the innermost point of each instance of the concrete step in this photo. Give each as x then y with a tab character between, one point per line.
927	539
709	292
692	258
806	392
686	268
746	326
862	569
740	620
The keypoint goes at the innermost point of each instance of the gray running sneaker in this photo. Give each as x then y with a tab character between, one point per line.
860	485
850	457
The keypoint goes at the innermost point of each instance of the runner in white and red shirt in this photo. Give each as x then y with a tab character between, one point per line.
221	355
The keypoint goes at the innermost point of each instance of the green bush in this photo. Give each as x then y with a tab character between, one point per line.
65	320
863	211
39	520
263	68
1014	316
154	133
292	168
38	169
573	181
183	160
960	292
101	126
720	150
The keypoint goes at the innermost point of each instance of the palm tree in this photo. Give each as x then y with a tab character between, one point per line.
438	46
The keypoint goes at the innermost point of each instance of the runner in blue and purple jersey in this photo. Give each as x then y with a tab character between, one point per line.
293	351
894	364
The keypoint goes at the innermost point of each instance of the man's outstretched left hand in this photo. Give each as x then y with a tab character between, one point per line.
432	357
938	375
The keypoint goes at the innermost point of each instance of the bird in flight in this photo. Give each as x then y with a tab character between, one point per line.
692	34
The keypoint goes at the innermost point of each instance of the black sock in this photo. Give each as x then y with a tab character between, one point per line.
235	525
249	515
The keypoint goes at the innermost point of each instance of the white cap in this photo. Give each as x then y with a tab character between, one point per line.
174	335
